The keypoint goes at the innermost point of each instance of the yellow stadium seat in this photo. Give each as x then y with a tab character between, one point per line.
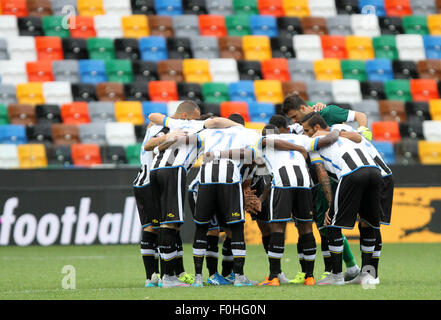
434	24
30	92
435	109
359	48
129	111
268	91
256	48
299	8
196	70
135	26
258	126
328	69
90	7
32	156
429	152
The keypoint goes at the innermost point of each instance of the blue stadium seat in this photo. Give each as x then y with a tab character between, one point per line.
152	107
168	7
261	111
13	134
264	25
386	149
380	11
379	70
242	91
92	71
153	48
432	46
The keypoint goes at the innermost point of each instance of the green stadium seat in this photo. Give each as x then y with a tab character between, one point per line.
133	153
100	48
248	7
4	114
119	71
354	69
215	92
415	25
398	90
385	47
238	25
53	27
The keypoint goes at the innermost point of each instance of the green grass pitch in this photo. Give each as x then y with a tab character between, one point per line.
407	271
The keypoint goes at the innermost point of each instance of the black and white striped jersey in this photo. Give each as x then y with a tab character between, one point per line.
342	157
180	154
369	148
288	168
146	157
225	170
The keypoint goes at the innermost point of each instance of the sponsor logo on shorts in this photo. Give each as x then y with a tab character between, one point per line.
155	221
235	214
171	215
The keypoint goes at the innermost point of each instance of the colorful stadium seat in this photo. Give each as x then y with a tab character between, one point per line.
212	25
263	25
410	47
204	47
391	110
276	69
230	47
120	133
327	69
296	87
429	152
135	26
196	70
386	149
415	25
256	47
245	7
298	8
334	47
365	25
22	48
354	69
359	48
170	70
32	156
379	70
224	7
65	134
434	24
186	25
75	113
163	91
314	25
82	27
153	48
346	91
101	48
48	113
30	92
23	114
66	70
386	131
432	46
108	26
110	91
271	7
242	91
13	134
49	48
102	111
92	71
53	27
119	71
397	90
133	153
57	92
223	70
228	108
39	71
90	7
129	111
84	92
120	7
8	156
168	7
268	91
260	111
385	47
424	89
397	8
16	8
215	92
308	47
86	154
238	25
161	26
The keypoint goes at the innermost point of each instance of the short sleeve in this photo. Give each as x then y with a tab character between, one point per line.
315	157
334	114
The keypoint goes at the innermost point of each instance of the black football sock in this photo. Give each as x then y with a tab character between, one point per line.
335	240
265	242
179	263
167	247
227	257
212	254
367	246
149	243
377	251
275	253
300	254
309	251
157	260
199	247
238	247
326	254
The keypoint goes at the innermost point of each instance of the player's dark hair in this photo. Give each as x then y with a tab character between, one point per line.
314	118
292	102
206	116
280	121
270	129
236	117
187	106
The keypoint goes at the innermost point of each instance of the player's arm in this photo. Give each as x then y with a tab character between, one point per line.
285	146
155	141
220	123
353	136
324	180
247	154
327	140
157	118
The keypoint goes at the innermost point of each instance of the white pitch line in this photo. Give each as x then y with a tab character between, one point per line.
63	290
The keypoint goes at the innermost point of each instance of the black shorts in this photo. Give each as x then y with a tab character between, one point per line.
148	213
386	199
358	192
288	203
225	201
168	189
192	197
264	214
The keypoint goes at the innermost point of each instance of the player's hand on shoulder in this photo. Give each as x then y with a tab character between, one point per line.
319	106
208	157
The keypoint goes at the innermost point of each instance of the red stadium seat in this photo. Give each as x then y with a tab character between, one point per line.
82	27
39	71
14	7
49	48
271	7
334	47
227	108
86	154
212	25
386	131
276	69
397	8
75	113
163	91
423	89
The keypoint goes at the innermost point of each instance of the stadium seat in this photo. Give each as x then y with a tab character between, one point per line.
100	111
53	27
263	25
223	70
391	110
39	7
256	48
196	70
404	69
397	90
370	108
75	113
161	26
16	8
238	25
413	128
163	91
8	156
8	26
386	131
59	7
133	153
432	130
213	108
365	25
432	46
119	71
339	25
94	133
204	47
39	133
245	7
249	70
113	154
30	26
101	48
212	25
13	72
75	49
186	25
7	94
127	48
296	87
397	8
129	111
135	26
347	7
196	7
22	48
268	91
153	48
90	7
314	25
320	91
92	71
327	69
282	47
386	149
410	47
120	134
49	48
179	48
419	110
108	26
168	7
110	91
359	48
260	112
301	70
57	92
406	152
346	91
276	69
429	152
190	91
322	8
152	107
289	26
391	25
65	134
30	92
307	47
84	92
66	70
39	71
146	7
435	109
48	113
379	70
372	6
136	91
434	24
385	47
415	25
145	71
223	7
270	7
23	114
170	70
81	27
31	156
228	108
423	7
242	91
334	47
424	89
86	155
429	69
298	8
230	47
215	92
354	69
13	134
120	7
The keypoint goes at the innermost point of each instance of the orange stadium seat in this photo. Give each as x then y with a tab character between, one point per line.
75	113
86	154
386	131
212	25
276	69
82	27
49	48
14	7
135	26
230	107
299	8
32	156
271	7
163	91
90	7
256	47
39	71
423	89
435	109
359	48
334	47
429	152
196	70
